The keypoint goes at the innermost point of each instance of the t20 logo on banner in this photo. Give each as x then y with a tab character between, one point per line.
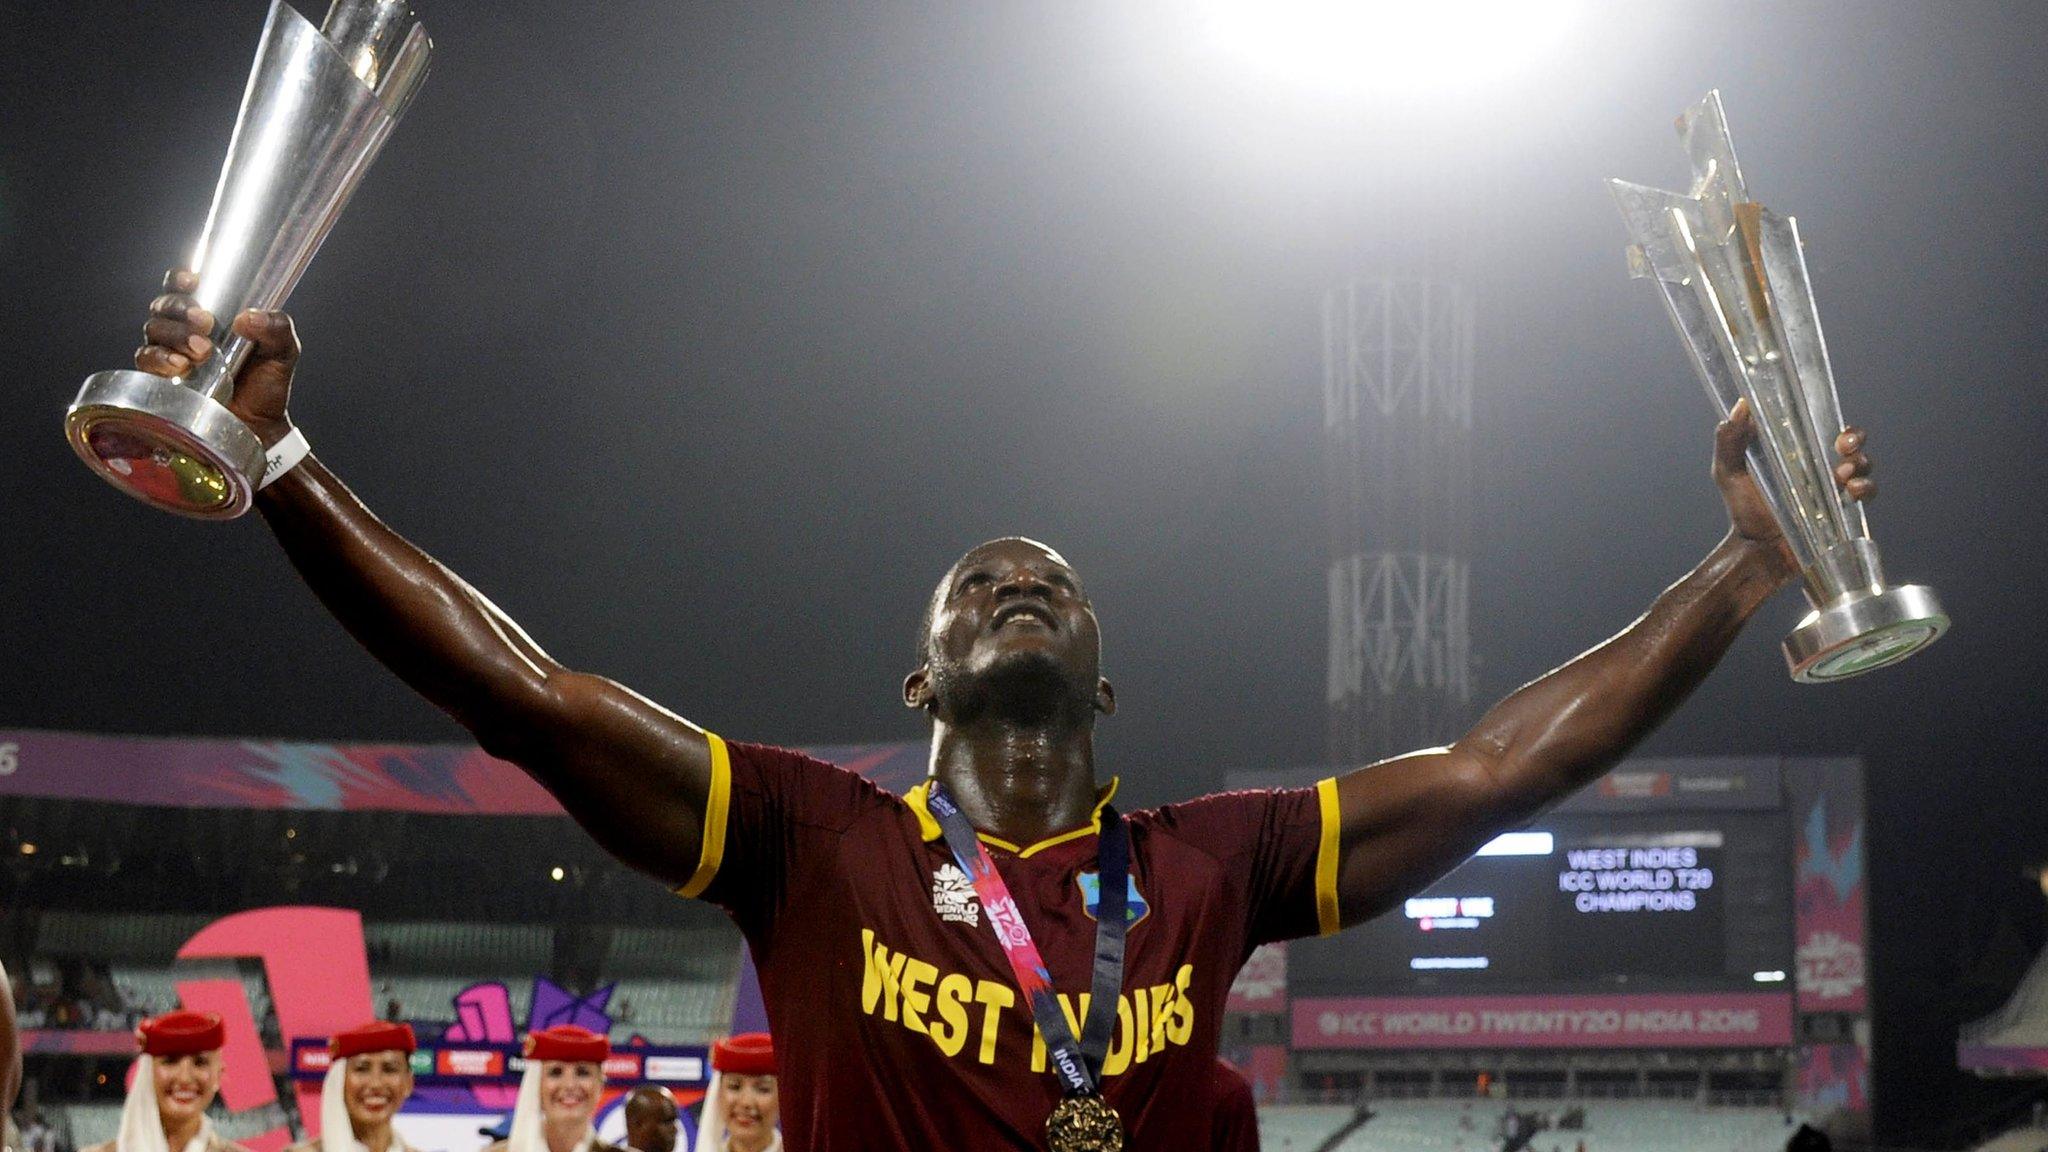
1830	968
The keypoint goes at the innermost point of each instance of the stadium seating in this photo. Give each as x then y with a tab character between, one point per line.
1471	1125
446	947
147	990
432	998
708	953
131	937
1611	1126
1299	1127
674	1012
1426	1126
2026	1138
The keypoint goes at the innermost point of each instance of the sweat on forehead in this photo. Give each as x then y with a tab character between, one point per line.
981	552
1008	543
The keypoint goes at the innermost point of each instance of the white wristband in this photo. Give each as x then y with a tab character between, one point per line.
284	456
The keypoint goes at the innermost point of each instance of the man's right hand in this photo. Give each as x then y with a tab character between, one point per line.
178	339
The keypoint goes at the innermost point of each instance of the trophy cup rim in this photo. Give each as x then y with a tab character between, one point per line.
1863	633
164	410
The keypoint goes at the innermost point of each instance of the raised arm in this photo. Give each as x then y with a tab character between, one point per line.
634	775
1406	821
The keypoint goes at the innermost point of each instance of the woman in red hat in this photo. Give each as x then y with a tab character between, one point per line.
175	1080
741	1105
369	1078
559	1093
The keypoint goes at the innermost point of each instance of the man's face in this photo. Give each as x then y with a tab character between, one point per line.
651	1121
1010	627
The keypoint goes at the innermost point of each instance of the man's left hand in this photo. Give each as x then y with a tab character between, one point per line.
1748	513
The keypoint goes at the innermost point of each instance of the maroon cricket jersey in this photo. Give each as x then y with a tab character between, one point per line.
897	1020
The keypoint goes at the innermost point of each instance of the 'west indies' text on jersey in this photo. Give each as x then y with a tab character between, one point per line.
896	1017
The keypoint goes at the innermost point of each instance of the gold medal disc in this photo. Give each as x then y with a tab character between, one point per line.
1084	1124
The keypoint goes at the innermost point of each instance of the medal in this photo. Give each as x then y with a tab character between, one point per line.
1084	1124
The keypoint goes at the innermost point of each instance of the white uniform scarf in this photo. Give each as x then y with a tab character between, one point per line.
336	1133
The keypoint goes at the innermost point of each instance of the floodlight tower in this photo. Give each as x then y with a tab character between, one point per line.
1398	333
1397	433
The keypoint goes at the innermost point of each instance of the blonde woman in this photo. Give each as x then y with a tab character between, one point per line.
369	1078
559	1093
743	1103
175	1080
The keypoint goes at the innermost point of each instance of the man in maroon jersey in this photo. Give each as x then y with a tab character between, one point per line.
895	1008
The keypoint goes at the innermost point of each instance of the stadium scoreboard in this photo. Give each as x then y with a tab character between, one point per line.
1611	892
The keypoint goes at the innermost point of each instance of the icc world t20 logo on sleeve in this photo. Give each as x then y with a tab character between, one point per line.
953	896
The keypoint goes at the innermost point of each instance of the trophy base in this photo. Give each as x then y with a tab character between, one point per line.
165	444
1864	633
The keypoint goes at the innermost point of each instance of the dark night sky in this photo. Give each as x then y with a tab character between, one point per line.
703	341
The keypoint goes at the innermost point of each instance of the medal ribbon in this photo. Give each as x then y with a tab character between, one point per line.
1077	1063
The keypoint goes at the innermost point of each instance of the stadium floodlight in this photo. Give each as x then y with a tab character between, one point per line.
1382	46
1519	844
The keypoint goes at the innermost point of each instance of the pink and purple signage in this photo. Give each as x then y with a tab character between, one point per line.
1834	1078
437	778
1261	985
1829	888
1982	1058
1675	1020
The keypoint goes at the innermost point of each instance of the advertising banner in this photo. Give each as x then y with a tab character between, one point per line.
472	1065
1675	1020
1829	886
1261	985
1834	1079
432	778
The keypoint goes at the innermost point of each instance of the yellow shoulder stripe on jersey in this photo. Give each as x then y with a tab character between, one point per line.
1327	920
928	825
711	850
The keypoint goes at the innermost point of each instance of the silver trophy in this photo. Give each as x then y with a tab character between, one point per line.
319	104
1734	279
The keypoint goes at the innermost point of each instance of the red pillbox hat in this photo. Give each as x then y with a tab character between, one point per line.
569	1043
747	1054
181	1033
376	1036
